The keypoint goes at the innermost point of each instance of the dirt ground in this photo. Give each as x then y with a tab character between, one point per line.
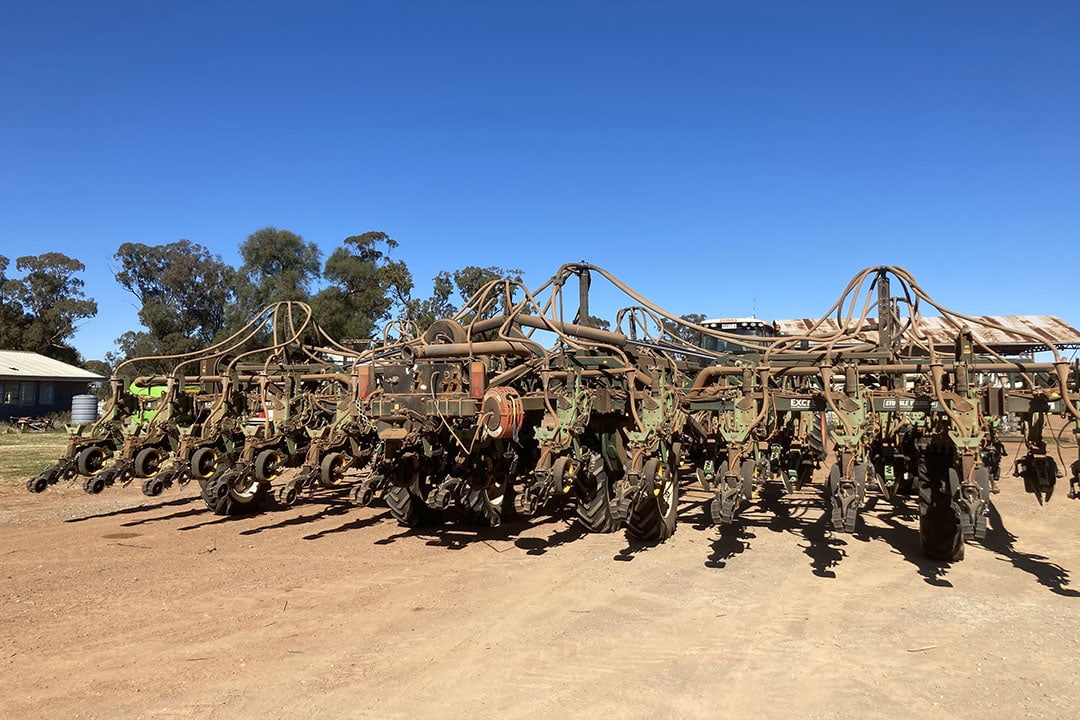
121	606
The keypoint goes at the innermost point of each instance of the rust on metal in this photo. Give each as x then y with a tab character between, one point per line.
1053	331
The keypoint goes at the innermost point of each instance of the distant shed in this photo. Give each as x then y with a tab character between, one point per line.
1013	338
32	384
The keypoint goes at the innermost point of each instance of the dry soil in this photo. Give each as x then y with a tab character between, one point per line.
121	606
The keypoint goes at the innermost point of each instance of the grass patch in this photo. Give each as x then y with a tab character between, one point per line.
24	455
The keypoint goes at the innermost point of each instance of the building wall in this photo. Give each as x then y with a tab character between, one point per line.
33	398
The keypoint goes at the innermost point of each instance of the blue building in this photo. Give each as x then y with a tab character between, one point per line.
33	385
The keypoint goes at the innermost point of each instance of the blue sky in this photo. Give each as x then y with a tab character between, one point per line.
720	157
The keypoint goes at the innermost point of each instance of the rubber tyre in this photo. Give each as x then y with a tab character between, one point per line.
805	476
91	460
223	499
655	517
407	507
152	487
248	497
94	484
939	528
488	506
594	506
148	462
940	536
815	441
268	465
40	483
204	463
332	469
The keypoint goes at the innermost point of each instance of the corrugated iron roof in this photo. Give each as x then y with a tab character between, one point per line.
23	365
942	331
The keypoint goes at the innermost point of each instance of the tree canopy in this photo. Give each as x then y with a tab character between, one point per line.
278	265
465	283
188	298
183	291
365	283
40	310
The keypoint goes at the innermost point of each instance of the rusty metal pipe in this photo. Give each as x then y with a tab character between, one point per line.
714	371
533	321
489	347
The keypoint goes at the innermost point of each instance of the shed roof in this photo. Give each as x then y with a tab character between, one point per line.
24	365
1016	336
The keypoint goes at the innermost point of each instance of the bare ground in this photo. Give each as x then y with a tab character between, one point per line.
121	606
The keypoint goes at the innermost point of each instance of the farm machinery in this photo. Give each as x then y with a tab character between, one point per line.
510	407
231	417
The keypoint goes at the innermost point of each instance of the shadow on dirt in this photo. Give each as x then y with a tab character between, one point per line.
325	509
356	524
1048	574
214	520
172	516
800	515
901	533
454	533
896	524
734	540
453	536
177	502
569	531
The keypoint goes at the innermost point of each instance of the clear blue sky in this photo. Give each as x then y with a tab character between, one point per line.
721	157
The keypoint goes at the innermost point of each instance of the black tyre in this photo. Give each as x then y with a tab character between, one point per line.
204	463
406	505
148	462
166	476
39	483
939	527
489	505
152	487
94	484
654	516
939	533
108	475
235	493
268	465
595	509
215	492
806	474
91	460
287	494
815	439
332	469
247	495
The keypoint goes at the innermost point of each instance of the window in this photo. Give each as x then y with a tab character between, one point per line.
26	393
45	394
9	393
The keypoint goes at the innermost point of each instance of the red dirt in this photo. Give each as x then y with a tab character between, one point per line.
121	606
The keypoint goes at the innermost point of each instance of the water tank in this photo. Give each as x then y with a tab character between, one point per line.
84	409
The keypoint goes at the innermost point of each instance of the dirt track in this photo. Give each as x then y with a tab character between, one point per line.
119	606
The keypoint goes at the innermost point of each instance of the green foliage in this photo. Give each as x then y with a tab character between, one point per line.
13	319
471	278
465	283
101	389
183	291
688	334
426	311
39	311
278	266
365	285
597	322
